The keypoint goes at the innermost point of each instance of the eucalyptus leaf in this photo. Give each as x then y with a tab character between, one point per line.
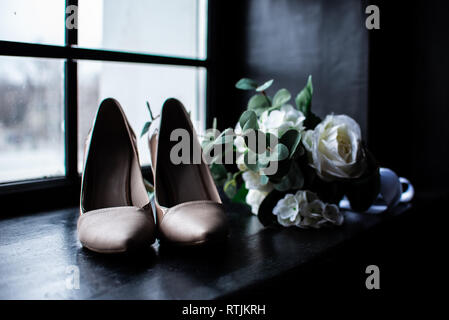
248	120
245	117
263	179
219	173
265	86
256	140
279	153
145	129
263	161
304	98
246	84
240	197
258	103
293	180
291	139
251	160
225	137
230	188
296	176
284	185
281	97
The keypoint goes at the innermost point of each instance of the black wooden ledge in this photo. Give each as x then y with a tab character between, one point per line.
36	253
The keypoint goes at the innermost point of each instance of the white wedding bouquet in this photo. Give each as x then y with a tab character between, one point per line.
309	165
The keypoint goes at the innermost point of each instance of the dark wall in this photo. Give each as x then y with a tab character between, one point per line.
289	39
409	96
393	81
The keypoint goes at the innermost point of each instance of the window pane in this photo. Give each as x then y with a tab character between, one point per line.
132	85
31	118
36	21
174	27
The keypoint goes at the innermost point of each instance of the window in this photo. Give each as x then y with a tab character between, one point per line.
53	78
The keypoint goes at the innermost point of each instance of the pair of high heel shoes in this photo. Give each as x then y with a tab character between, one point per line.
116	214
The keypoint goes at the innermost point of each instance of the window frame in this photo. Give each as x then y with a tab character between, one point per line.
34	195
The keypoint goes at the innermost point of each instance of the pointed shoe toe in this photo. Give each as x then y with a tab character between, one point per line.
194	223
114	230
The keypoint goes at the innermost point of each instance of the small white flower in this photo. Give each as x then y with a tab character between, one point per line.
240	144
334	148
287	211
305	210
252	182
239	141
279	121
240	161
254	198
332	214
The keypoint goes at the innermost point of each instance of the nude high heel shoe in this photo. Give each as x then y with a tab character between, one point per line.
115	209
188	207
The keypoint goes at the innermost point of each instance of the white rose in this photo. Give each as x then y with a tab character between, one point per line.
334	148
254	198
252	182
279	121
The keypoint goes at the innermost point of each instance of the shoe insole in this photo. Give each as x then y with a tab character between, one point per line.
109	172
184	183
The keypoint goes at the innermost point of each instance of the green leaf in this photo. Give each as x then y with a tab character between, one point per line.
258	103
311	121
251	160
304	98
230	188
246	84
145	129
248	120
225	137
294	180
284	185
265	86
281	97
151	113
279	153
240	197
149	188
219	173
291	139
296	176
263	179
257	137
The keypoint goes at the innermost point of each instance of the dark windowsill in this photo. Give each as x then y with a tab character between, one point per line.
36	250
